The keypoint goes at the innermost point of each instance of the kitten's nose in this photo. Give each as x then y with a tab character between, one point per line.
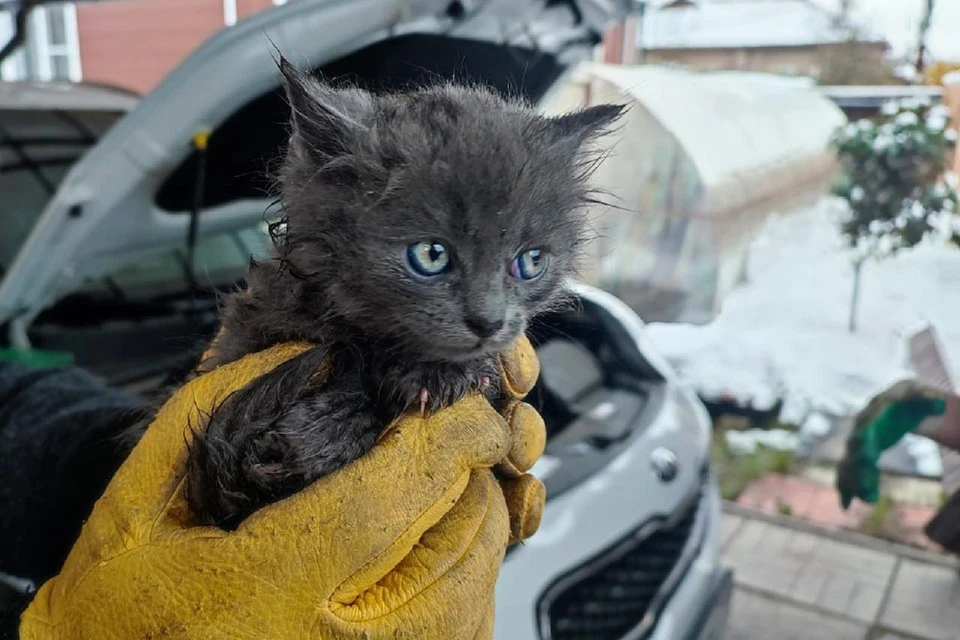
484	327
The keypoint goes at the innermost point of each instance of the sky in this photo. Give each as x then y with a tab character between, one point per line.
899	21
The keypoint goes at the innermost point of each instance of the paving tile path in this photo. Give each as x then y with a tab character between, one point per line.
925	601
753	616
800	583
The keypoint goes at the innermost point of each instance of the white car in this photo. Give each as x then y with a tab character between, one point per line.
629	542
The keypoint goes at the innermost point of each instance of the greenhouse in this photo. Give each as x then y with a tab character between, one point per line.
700	161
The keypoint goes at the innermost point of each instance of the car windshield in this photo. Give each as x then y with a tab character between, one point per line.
23	201
221	260
34	157
27	187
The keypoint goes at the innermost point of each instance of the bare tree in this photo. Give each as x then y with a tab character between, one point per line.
922	39
854	59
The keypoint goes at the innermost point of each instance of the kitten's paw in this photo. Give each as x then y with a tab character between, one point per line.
429	388
438	394
451	396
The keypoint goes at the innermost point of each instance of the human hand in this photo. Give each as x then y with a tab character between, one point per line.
406	542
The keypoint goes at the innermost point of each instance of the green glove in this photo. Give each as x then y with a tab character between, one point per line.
880	425
38	358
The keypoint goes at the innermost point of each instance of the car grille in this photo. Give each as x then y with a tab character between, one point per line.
619	593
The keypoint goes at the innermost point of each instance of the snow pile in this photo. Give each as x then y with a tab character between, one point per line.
951	79
744	442
925	453
783	334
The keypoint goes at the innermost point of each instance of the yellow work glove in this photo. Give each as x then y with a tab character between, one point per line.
404	543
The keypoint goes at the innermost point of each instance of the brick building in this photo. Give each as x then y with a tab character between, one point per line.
130	43
619	43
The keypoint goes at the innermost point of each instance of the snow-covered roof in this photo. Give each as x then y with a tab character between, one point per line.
888	91
739	23
731	123
847	96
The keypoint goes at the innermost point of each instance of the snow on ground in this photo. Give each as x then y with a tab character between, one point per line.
783	334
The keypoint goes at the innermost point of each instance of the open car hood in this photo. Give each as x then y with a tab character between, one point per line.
130	195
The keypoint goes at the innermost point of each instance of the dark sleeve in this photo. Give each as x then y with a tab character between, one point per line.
58	450
10	619
944	527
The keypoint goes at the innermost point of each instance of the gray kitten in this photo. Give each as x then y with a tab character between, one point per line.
422	231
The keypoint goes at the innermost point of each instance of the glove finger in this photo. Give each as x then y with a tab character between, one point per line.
473	531
528	439
406	484
519	369
525	497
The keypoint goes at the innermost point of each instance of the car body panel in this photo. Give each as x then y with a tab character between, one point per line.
582	523
697	590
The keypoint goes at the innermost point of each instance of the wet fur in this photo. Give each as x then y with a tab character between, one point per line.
364	176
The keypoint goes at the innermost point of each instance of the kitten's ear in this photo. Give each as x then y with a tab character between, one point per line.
326	119
586	124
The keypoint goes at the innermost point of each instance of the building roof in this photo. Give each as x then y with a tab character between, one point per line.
712	24
865	96
53	96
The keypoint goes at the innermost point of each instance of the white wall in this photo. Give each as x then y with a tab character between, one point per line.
37	58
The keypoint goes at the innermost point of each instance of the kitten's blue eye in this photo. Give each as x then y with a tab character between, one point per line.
529	264
428	258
